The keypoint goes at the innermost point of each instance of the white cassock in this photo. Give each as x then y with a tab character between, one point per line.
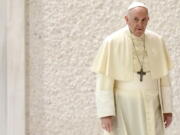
137	106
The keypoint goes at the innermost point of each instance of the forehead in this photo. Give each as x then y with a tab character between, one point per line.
138	12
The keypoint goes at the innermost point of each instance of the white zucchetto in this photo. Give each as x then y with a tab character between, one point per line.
137	4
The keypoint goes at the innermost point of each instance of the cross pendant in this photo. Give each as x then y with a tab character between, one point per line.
141	73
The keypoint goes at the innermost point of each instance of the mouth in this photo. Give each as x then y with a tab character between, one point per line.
140	29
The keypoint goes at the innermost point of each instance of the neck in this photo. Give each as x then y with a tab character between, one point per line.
139	36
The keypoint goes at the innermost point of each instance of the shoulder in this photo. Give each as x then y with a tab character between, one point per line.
153	35
155	38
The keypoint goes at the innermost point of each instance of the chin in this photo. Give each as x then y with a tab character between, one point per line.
139	34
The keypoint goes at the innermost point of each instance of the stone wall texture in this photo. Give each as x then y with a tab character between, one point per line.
62	38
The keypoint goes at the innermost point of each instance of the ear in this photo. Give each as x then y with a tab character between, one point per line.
126	18
148	18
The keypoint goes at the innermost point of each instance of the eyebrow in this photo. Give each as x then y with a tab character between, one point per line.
138	18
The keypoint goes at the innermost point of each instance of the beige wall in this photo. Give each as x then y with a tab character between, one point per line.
62	39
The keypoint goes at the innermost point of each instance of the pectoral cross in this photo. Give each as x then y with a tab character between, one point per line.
141	73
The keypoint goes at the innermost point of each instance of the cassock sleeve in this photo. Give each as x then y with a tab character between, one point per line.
166	94
104	96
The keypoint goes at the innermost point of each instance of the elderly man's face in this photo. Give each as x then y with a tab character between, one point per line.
137	20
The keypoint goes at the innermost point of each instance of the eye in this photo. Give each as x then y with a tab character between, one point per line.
136	19
144	19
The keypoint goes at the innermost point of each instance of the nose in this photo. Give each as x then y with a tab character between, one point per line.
140	24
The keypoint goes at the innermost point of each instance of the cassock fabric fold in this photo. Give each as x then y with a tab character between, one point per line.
114	57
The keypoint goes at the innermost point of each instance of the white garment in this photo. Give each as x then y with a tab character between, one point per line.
136	105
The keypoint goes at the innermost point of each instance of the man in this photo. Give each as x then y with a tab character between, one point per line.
133	93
